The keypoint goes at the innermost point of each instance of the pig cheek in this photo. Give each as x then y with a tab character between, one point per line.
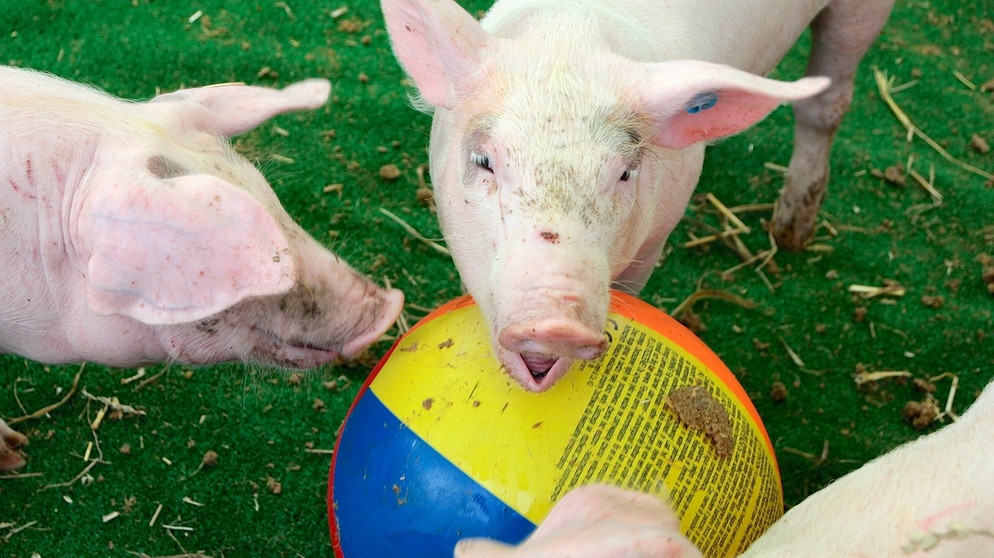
200	342
471	218
326	316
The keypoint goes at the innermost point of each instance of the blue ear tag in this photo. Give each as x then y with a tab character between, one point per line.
701	101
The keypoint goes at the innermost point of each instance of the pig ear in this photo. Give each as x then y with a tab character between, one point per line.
687	102
437	42
180	249
234	108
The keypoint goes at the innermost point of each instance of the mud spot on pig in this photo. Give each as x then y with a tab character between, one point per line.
164	167
208	325
696	408
300	301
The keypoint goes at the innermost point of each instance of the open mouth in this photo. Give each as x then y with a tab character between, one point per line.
539	364
534	371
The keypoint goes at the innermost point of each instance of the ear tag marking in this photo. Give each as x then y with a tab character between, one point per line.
701	102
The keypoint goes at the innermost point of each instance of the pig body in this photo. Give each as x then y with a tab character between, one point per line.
568	138
930	498
933	497
132	233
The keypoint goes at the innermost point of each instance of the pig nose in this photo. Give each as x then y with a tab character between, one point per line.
390	305
543	341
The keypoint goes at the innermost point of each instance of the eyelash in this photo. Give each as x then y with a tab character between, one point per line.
480	160
483	162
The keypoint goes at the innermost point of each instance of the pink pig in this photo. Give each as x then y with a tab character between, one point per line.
931	498
132	233
568	138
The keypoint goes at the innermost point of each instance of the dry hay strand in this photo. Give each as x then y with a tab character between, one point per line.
702	294
886	87
47	409
414	232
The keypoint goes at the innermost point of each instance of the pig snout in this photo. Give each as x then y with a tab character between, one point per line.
538	346
333	316
389	303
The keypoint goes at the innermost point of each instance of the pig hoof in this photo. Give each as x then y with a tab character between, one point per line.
789	238
10	458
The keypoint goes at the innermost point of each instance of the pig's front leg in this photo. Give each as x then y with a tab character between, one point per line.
596	522
841	34
10	442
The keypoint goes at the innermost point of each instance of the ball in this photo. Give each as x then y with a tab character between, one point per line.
440	444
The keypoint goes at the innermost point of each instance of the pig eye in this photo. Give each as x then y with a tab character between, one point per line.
480	160
627	175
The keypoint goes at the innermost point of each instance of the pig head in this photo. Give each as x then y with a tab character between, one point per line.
132	233
566	143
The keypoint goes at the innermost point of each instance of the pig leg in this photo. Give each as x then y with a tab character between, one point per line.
10	442
841	34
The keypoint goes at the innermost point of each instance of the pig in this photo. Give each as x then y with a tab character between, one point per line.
933	497
131	233
568	137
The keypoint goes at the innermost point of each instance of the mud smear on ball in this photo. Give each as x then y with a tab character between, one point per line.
696	408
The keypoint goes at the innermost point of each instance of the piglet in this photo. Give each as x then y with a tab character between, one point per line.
568	137
132	233
931	498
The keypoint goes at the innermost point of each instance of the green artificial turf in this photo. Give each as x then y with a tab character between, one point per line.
271	430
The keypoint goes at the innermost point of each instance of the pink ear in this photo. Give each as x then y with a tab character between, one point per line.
436	41
234	108
687	102
180	249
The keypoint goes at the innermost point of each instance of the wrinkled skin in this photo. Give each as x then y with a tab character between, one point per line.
566	142
133	234
931	498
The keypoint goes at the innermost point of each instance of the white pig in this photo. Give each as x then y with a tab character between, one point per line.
931	498
568	137
132	233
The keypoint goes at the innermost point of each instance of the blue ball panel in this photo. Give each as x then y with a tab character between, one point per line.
394	495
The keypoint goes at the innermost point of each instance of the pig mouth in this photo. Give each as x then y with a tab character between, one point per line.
539	364
307	355
535	372
295	353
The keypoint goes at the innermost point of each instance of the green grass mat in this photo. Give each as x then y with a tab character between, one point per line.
271	430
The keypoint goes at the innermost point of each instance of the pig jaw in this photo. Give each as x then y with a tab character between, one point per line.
331	312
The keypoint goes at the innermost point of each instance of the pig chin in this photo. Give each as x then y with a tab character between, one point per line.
251	345
283	342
